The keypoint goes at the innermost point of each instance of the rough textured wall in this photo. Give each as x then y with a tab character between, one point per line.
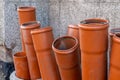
64	12
56	13
12	29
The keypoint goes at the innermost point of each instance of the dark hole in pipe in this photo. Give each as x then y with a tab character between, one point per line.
118	35
22	54
90	21
24	7
64	43
30	23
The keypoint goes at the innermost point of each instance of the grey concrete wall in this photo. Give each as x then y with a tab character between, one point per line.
12	29
73	11
56	13
1	22
65	12
10	41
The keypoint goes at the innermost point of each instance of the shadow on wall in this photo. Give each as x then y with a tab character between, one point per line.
7	68
6	61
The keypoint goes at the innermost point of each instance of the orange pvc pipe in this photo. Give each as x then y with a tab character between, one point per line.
113	32
67	57
42	39
73	30
30	52
114	73
21	66
26	14
93	44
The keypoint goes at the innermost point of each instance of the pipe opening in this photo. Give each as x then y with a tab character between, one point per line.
20	54
115	31
94	21
29	23
25	7
118	35
64	43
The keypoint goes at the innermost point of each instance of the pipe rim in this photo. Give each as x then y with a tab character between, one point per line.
101	24
73	26
68	51
116	38
30	25
41	30
26	8
114	31
20	55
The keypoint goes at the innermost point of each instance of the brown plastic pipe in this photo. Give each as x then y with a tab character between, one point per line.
26	14
30	52
73	30
114	73
21	65
67	57
42	39
113	32
94	44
